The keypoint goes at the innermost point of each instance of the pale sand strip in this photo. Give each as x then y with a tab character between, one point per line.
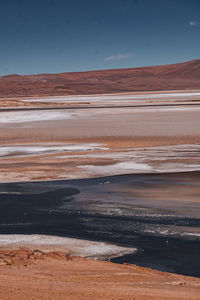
73	246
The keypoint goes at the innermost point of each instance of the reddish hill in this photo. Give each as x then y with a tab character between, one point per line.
177	76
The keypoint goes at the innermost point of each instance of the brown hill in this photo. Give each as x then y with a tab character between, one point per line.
167	77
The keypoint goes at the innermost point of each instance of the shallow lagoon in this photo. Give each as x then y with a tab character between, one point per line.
156	213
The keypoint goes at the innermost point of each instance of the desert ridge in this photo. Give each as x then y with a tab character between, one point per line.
156	78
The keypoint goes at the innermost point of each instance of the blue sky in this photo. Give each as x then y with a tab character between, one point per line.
50	36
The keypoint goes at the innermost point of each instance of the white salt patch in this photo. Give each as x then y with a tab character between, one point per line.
153	159
33	116
118	168
75	246
47	149
111	98
166	108
148	153
132	166
192	234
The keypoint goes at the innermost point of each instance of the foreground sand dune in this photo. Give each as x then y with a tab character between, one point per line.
36	275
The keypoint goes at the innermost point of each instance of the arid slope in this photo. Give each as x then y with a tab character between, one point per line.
26	274
167	77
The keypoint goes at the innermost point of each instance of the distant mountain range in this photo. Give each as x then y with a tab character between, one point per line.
166	77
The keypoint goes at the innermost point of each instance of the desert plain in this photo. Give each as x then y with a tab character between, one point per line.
101	138
53	139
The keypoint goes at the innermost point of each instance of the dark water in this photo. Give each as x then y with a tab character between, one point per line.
159	214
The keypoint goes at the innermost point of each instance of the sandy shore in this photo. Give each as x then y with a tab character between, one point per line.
145	219
56	277
76	247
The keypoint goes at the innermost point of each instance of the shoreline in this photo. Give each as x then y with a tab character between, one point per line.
147	226
72	246
103	177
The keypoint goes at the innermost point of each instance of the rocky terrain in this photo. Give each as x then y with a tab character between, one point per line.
25	256
167	77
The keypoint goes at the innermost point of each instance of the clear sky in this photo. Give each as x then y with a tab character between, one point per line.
50	36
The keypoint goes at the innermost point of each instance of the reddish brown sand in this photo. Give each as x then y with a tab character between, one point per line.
35	275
